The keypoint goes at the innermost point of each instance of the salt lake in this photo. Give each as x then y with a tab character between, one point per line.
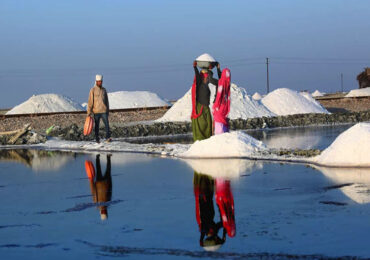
143	207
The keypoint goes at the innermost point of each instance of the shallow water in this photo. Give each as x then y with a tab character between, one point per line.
318	137
147	208
315	137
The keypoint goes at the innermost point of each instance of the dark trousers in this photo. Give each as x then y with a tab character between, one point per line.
103	184
99	175
103	116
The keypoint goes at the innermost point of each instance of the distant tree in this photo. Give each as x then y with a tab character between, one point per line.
364	78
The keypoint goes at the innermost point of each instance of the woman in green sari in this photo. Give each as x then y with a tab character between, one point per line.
201	118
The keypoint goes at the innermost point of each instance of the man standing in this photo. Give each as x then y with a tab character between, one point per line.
98	105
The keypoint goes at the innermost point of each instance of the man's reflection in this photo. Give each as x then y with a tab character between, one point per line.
204	187
101	186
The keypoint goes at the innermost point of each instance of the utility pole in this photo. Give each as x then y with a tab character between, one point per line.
341	82
268	80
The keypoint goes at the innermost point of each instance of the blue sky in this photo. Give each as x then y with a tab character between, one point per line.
58	46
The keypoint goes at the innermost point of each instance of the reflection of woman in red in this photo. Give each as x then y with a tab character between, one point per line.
204	190
225	203
101	186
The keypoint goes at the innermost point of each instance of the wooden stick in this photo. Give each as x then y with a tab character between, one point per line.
9	132
21	132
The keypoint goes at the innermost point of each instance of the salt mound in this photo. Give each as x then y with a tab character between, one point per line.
205	57
132	99
223	168
180	111
257	96
46	103
350	149
363	92
306	95
317	93
242	106
313	101
84	105
285	101
234	144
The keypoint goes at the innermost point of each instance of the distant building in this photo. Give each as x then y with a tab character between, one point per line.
364	78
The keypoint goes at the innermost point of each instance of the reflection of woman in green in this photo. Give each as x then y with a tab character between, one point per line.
205	213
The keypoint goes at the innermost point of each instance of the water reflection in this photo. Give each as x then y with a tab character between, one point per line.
291	138
206	187
212	180
225	168
205	213
317	137
353	182
38	160
100	185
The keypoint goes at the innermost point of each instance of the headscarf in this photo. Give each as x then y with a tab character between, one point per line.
221	106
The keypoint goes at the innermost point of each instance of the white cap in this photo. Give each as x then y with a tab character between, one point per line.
103	216
98	77
212	248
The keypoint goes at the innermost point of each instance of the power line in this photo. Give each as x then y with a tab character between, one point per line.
244	59
323	63
244	64
322	58
241	62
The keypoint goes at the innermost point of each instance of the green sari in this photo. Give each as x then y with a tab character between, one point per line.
202	126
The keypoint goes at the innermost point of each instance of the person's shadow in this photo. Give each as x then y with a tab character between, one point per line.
101	186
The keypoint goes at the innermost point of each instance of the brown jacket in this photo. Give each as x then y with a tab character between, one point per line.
101	190
98	101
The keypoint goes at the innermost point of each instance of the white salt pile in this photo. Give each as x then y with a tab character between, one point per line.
133	99
223	168
84	105
306	94
46	103
317	93
180	111
242	106
233	144
362	92
257	96
350	149
313	101
285	101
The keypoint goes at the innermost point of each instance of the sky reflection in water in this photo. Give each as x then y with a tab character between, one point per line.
59	205
144	206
